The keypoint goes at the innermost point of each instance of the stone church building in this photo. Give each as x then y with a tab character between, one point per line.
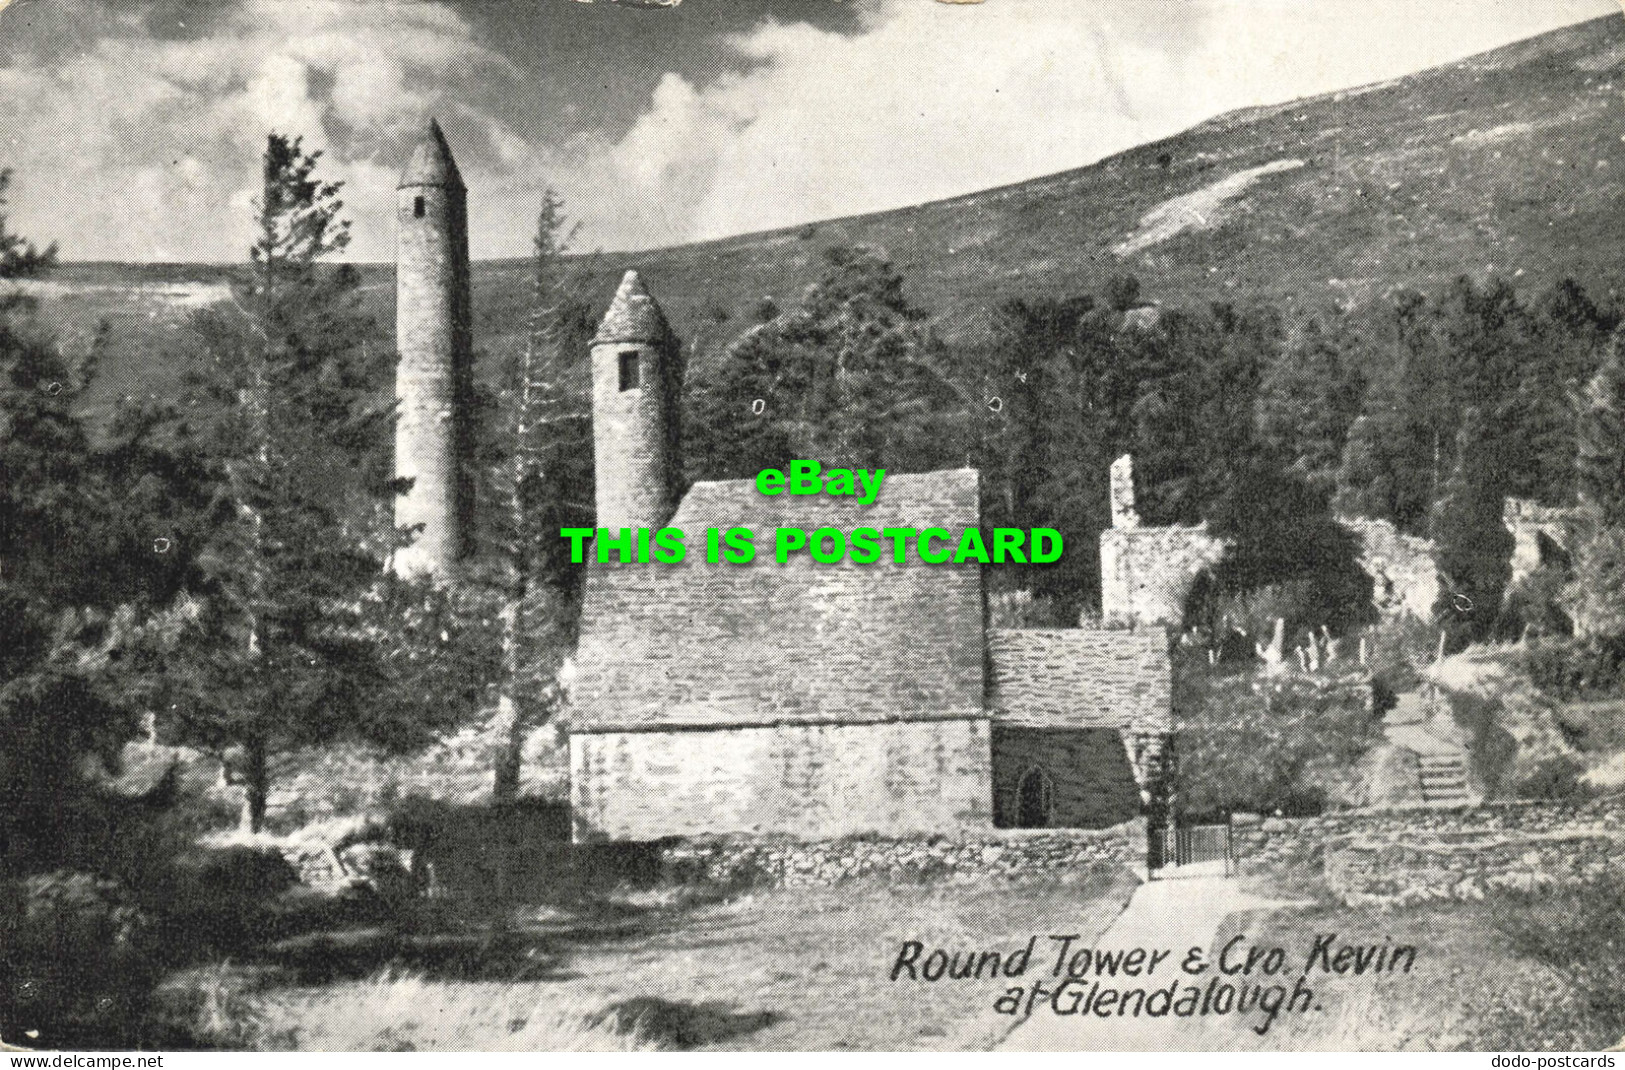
820	700
803	699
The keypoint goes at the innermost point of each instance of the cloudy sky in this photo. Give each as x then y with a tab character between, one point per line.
134	126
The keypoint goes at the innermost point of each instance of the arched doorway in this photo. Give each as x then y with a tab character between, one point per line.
1034	799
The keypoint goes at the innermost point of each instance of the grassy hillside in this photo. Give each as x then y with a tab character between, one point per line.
1511	162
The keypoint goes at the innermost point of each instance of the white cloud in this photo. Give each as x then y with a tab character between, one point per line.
148	149
142	148
937	100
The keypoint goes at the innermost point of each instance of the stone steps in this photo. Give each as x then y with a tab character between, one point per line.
1443	777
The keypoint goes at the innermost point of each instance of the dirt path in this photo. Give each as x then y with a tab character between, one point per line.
1173	914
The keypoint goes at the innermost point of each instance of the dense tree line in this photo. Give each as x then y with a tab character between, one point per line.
218	560
216	564
79	574
1425	410
269	621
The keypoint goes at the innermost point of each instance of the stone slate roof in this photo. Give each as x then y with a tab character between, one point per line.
701	645
431	163
1081	678
634	315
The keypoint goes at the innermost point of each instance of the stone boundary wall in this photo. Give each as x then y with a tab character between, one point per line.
1382	872
321	784
812	863
1438	852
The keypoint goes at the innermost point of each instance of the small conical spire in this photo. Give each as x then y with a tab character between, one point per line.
634	315
431	163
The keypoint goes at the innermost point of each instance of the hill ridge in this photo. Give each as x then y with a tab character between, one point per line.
1509	162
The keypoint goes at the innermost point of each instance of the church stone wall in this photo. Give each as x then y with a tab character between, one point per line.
900	777
1091	777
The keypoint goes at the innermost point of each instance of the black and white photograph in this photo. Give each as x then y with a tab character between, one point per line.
812	526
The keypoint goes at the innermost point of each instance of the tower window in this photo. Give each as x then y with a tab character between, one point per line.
417	207
629	369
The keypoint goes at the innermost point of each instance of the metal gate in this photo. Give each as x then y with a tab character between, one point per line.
1189	851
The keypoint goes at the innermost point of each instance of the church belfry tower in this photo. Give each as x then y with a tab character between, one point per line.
636	379
433	335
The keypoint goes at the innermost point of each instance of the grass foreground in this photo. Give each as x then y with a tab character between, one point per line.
655	969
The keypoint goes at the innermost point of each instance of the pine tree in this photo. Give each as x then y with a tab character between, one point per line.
1365	483
1600	425
1595	596
1474	548
1308	400
288	638
1046	441
540	480
19	257
80	571
851	376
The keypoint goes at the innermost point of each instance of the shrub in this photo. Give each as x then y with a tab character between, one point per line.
1554	779
492	853
1121	292
1570	669
215	901
1291	560
221	1007
1596	595
1396	651
1491	749
1255	611
1536	605
1256	743
77	959
1022	609
241	872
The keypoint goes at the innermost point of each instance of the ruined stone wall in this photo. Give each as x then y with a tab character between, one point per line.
1012	853
1530	523
1092	779
1430	852
800	780
433	324
1404	578
1146	573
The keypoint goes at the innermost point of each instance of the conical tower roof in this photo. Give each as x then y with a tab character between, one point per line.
431	163
634	315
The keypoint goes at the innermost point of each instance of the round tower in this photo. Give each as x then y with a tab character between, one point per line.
433	313
636	380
